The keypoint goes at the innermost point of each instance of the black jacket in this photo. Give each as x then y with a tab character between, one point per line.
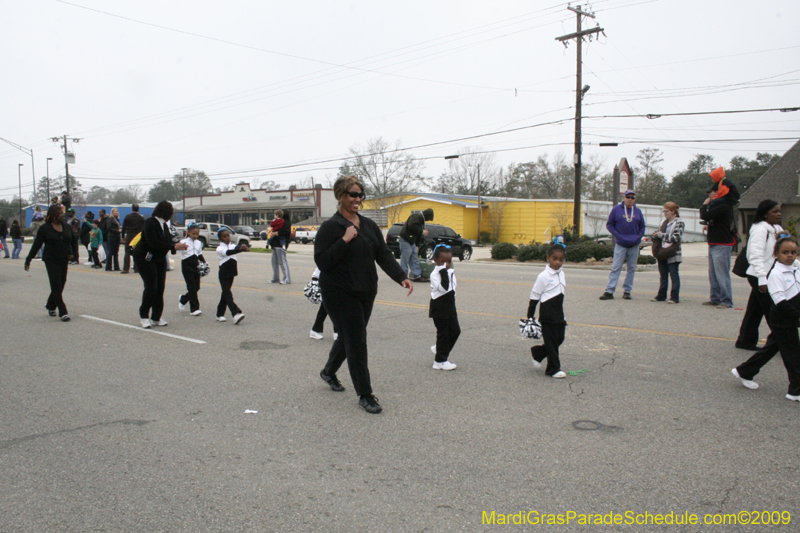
350	266
58	246
15	231
86	230
155	239
719	215
412	229
132	226
3	228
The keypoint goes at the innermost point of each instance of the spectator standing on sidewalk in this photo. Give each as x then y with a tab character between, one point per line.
131	227
717	210
626	224
410	240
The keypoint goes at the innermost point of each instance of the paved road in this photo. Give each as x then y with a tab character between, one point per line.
109	428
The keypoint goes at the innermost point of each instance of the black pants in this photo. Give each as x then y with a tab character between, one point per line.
350	314
96	257
192	279
113	252
154	276
126	261
447	333
758	306
785	341
553	335
319	323
57	274
226	300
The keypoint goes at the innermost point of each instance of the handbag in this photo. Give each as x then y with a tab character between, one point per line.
663	250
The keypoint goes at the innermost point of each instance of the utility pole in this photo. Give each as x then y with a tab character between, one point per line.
48	179
480	209
66	159
19	177
183	203
580	91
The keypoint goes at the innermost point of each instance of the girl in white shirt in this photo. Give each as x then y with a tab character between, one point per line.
783	283
549	289
190	261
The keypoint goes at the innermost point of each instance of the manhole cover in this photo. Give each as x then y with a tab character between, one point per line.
261	345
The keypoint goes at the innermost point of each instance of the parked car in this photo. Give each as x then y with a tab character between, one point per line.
249	231
608	241
209	230
437	234
304	234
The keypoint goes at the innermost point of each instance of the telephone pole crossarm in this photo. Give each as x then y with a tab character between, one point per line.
579	34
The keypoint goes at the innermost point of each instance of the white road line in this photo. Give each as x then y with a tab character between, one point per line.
139	328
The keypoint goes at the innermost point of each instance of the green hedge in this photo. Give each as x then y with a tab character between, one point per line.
532	252
646	260
504	250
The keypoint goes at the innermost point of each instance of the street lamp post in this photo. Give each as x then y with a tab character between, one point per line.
19	176
183	203
48	177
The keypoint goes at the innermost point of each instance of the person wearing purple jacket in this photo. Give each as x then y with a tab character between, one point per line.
626	224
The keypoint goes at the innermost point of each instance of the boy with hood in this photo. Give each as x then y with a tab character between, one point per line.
626	224
410	240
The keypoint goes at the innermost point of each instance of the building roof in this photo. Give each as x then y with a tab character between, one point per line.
250	206
779	183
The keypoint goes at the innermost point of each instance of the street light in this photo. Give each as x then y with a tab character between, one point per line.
480	209
19	176
48	177
183	203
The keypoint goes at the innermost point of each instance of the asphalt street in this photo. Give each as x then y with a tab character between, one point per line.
107	427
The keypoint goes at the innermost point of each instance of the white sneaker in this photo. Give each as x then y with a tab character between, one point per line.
315	335
196	313
793	398
238	318
146	323
536	364
446	365
181	306
559	375
284	282
221	319
433	349
89	263
746	382
335	336
161	322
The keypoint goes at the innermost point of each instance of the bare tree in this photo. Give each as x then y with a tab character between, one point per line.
472	165
494	215
382	168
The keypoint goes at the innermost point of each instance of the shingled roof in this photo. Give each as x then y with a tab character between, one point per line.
780	183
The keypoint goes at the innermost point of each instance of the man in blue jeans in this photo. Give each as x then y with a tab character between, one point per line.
626	224
410	238
717	210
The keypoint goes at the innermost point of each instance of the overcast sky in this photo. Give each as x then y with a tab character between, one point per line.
253	85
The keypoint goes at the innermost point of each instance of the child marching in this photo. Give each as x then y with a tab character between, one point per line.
228	269
190	268
549	290
443	307
783	284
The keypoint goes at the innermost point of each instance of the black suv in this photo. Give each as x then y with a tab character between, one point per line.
437	234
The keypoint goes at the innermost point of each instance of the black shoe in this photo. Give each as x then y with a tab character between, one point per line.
124	272
51	312
607	296
743	347
333	381
626	296
370	404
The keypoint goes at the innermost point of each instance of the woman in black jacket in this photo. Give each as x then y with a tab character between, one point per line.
61	245
346	249
150	258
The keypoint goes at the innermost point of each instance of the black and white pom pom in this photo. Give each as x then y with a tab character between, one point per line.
530	328
312	292
204	269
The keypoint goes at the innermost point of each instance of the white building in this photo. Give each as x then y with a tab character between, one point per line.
247	207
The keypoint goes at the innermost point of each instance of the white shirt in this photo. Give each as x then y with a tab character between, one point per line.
783	283
222	251
761	248
195	248
549	284
436	281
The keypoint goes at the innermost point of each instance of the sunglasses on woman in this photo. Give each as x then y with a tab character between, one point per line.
354	194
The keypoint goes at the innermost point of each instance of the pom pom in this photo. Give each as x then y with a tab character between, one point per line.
312	292
530	328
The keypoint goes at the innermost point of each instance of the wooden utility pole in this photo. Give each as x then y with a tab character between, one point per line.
580	90
66	160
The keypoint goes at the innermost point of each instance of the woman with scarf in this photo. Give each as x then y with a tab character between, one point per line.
670	233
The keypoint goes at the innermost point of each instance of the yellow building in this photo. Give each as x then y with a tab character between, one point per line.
514	220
